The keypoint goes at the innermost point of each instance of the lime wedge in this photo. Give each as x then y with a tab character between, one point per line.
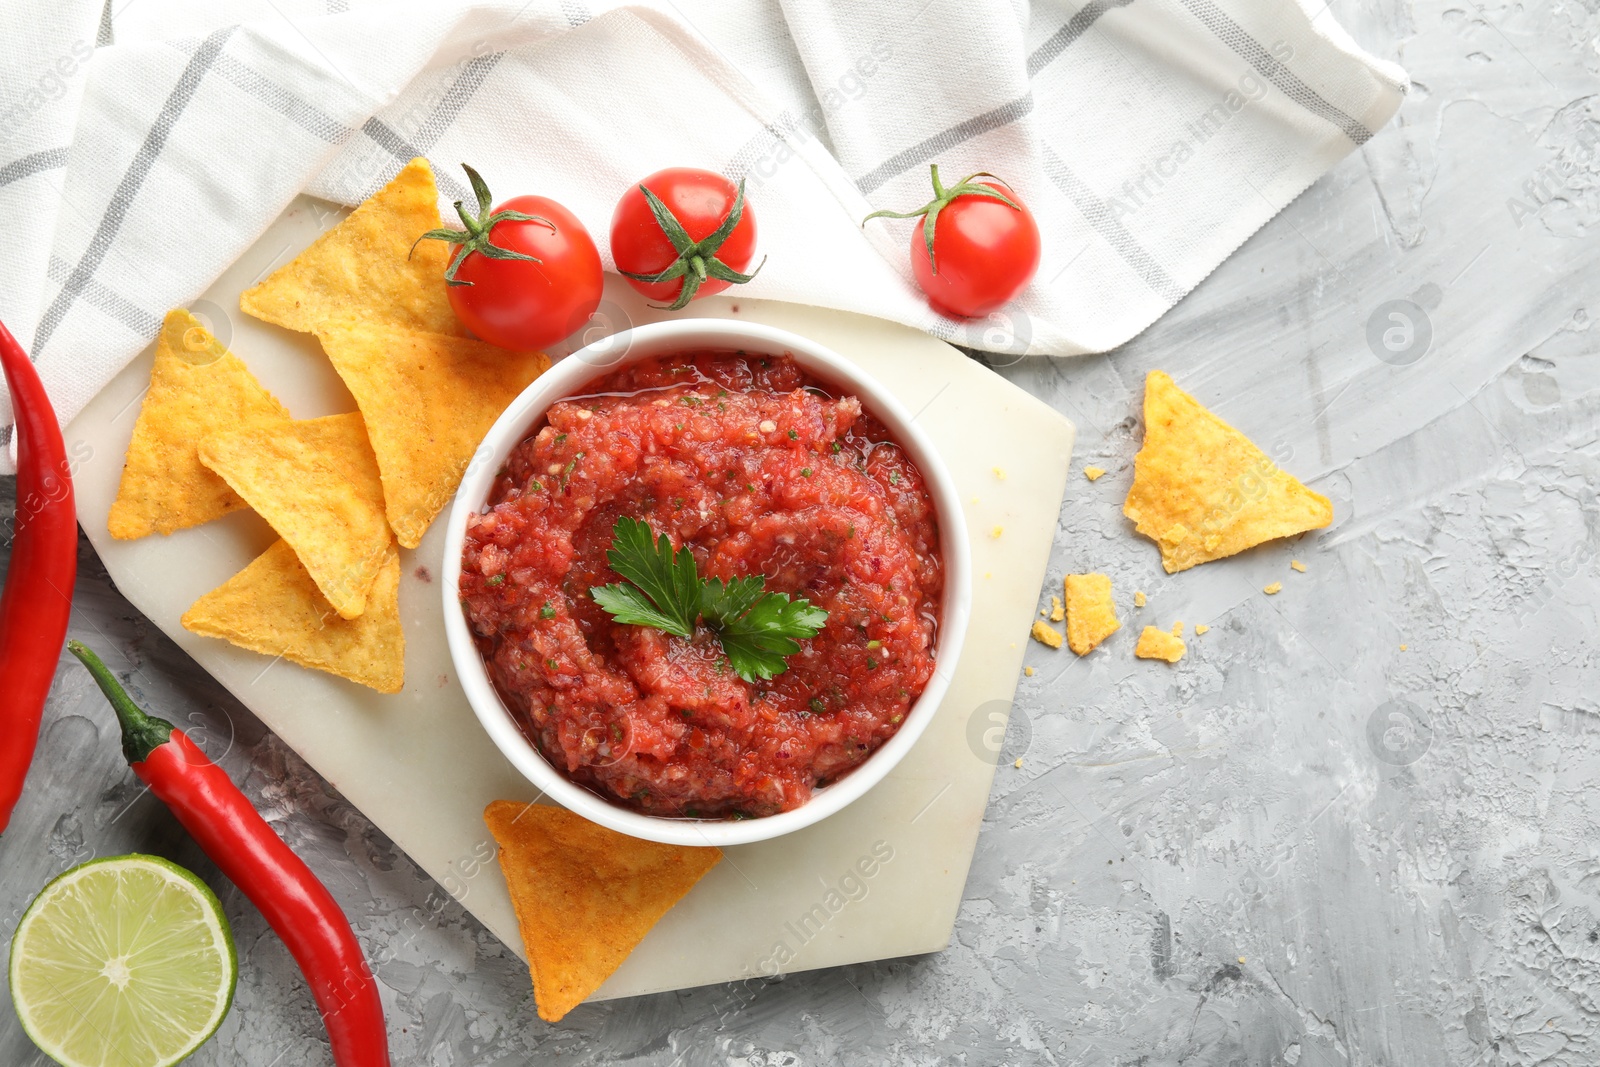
125	961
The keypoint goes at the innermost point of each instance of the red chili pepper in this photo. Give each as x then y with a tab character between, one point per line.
44	565
239	841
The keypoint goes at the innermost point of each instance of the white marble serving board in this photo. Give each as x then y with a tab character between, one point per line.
419	766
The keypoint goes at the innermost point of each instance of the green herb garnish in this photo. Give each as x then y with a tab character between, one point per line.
664	589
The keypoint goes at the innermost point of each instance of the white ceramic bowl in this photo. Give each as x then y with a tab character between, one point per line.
569	377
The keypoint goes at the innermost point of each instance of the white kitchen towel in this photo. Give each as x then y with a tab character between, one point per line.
1150	138
42	65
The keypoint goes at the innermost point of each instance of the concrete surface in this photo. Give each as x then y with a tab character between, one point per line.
1354	826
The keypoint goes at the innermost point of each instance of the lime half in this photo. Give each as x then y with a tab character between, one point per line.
123	962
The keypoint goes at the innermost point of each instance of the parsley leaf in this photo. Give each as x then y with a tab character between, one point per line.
665	591
758	639
757	628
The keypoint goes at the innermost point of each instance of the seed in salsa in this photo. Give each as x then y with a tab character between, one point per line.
757	469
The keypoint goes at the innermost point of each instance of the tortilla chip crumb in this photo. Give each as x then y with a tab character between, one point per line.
1177	628
997	531
1057	610
1158	644
1295	564
1274	589
1093	473
1028	671
1047	635
1402	648
1091	616
1018	764
1139	599
1000	474
1200	628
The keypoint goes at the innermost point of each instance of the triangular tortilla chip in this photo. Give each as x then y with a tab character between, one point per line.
428	399
273	607
316	483
365	266
585	896
196	387
1202	491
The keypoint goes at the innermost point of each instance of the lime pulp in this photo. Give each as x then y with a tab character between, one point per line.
125	961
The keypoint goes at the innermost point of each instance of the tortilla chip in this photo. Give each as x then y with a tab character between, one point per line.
428	399
273	607
1202	491
196	387
1091	618
365	267
585	896
316	483
1158	644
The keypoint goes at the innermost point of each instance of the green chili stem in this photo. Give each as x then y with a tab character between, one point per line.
142	733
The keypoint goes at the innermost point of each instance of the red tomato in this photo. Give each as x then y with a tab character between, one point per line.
984	250
680	262
512	300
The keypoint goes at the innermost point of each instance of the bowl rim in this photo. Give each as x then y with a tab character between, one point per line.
566	378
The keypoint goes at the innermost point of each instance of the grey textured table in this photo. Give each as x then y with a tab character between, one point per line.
1353	826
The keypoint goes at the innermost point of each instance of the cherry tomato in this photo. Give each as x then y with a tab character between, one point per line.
683	233
525	275
978	246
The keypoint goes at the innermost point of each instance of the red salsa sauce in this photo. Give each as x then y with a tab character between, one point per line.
758	468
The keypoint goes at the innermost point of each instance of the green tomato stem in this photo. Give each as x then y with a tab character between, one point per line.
476	236
942	198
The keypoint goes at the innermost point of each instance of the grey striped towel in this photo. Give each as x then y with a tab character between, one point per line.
141	153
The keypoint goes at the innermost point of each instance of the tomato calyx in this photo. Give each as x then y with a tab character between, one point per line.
476	236
942	198
697	260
